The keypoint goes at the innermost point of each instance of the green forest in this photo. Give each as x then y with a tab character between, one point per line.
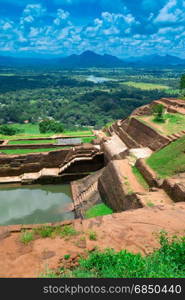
69	97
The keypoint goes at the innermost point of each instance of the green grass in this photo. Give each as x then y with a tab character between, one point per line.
166	262
98	210
169	160
26	151
140	177
52	231
88	139
92	236
174	123
48	232
32	131
27	142
26	237
146	86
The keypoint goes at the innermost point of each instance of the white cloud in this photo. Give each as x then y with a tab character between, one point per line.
172	12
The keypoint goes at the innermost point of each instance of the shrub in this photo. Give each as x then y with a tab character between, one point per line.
50	126
7	130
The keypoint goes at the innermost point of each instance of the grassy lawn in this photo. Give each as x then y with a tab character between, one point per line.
140	177
173	123
26	151
88	139
165	262
32	131
26	142
146	86
98	210
169	160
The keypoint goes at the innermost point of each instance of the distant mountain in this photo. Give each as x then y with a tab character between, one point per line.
156	60
87	59
90	59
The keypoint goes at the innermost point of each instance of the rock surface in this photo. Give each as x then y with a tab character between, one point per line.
134	230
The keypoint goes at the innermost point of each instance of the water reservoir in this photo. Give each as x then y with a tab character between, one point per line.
35	204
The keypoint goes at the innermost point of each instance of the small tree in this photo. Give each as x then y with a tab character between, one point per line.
182	82
50	126
158	111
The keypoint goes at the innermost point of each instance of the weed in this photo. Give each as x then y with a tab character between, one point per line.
150	204
67	256
92	236
27	237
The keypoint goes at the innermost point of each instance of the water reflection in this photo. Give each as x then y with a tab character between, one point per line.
34	204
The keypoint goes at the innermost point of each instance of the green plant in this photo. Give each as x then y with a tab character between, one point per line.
150	204
27	237
67	256
67	230
45	231
98	210
92	236
52	231
158	111
166	262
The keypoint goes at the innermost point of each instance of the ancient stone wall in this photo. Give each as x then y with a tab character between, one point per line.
13	165
113	191
175	190
145	135
149	175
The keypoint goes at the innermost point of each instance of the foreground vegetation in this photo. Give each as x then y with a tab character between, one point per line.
47	232
166	262
98	210
169	160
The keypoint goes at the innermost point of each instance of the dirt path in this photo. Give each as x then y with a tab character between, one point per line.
132	230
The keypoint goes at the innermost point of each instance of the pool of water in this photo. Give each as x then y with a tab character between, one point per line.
36	204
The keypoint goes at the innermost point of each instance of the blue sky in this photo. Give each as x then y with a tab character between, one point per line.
119	27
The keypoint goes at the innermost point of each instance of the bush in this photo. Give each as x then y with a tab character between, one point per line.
50	126
7	130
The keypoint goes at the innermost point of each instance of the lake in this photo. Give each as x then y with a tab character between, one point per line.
35	204
95	79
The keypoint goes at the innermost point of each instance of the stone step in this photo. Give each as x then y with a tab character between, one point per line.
153	198
29	177
49	172
10	179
